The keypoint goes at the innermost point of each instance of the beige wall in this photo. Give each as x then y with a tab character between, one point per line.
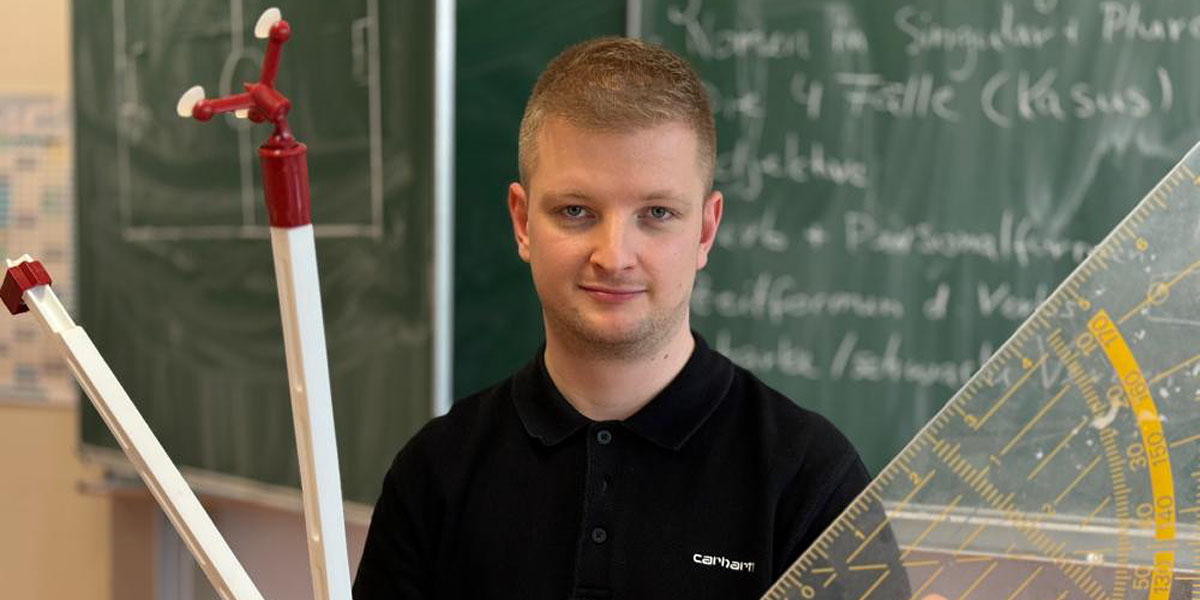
54	541
35	46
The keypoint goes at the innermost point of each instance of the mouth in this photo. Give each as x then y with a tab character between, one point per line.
611	295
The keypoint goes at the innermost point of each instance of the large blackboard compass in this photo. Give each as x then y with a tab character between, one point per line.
1069	465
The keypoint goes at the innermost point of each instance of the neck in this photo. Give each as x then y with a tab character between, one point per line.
608	388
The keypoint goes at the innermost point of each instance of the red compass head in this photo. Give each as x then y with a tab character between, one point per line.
22	274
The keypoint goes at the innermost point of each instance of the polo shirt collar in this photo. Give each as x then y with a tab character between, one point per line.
668	420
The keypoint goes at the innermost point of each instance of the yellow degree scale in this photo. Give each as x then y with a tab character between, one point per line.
1068	467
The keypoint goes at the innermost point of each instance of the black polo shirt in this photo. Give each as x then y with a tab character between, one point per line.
711	490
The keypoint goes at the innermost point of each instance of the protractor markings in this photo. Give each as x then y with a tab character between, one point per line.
1037	417
1012	350
1177	176
932	525
1116	472
1083	473
912	475
857	533
1082	379
899	506
1184	441
1030	368
1148	423
1158	292
829	580
1128	235
867	593
928	582
791	578
1024	584
978	580
973	559
916	564
1061	444
872	567
779	589
971	537
1026	525
1137	217
1159	196
1051	306
1079	300
1016	348
1096	511
1172	369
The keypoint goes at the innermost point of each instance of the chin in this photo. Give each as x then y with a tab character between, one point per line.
615	333
619	337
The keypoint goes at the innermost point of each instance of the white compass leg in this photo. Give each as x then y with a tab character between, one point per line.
312	409
143	449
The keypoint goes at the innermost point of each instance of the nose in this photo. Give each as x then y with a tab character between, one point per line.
614	247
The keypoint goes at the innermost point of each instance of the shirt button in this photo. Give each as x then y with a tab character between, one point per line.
604	436
599	535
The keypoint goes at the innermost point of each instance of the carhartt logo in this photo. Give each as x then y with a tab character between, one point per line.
721	561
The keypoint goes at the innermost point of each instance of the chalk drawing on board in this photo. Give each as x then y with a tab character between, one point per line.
133	114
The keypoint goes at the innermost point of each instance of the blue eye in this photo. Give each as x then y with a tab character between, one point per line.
661	213
574	211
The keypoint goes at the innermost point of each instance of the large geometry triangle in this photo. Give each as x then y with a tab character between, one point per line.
1068	467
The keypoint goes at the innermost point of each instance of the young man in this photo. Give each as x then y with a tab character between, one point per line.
627	460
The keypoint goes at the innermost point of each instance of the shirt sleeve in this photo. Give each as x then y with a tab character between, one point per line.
826	495
398	557
817	497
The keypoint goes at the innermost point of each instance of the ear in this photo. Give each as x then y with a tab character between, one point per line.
518	211
710	221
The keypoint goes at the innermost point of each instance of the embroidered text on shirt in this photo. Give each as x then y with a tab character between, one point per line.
721	561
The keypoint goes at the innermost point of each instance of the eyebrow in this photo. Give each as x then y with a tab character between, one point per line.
664	195
555	196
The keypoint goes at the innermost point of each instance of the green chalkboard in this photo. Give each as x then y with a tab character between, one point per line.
905	181
176	284
502	47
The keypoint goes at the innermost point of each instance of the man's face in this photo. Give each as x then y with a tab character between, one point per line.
614	227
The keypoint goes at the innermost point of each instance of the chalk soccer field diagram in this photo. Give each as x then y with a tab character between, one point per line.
133	114
1069	465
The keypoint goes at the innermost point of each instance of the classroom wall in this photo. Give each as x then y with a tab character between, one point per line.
34	46
56	540
49	527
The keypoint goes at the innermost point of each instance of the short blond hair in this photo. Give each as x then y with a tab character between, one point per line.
618	84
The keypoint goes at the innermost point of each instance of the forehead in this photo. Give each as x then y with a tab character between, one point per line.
662	157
